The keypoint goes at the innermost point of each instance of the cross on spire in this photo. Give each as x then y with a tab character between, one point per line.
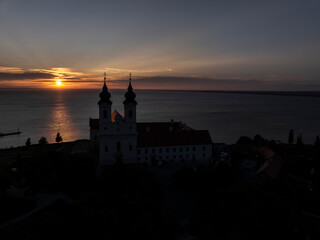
105	77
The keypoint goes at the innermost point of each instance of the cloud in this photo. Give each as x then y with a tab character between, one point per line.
9	76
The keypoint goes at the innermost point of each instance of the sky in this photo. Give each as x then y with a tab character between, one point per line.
194	45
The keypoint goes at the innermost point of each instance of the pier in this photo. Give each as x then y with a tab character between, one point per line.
10	133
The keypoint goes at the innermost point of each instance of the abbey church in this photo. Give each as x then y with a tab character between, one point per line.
121	138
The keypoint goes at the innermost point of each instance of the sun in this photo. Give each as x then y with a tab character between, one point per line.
58	83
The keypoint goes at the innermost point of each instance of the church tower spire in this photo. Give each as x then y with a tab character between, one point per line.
105	94
104	105
130	95
130	106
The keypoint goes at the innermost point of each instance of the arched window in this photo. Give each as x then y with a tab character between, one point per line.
130	113
105	114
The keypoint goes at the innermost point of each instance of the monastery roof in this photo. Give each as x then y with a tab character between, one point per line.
157	134
178	138
114	115
144	127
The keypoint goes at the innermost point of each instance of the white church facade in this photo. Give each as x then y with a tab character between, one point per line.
121	138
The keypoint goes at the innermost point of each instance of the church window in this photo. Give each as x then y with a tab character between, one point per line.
146	150
194	148
204	148
130	147
130	113
105	114
160	150
167	149
181	149
187	149
106	149
118	146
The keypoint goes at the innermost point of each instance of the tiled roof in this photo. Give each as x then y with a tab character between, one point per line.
153	139
114	114
148	126
152	134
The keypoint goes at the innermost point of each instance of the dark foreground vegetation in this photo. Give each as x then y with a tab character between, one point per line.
224	200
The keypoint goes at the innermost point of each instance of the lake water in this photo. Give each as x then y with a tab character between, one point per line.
226	115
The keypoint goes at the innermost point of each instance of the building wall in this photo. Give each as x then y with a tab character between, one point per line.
110	135
188	153
108	149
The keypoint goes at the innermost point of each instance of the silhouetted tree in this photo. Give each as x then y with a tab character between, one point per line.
273	145
291	137
43	141
244	140
58	138
28	142
258	140
317	142
299	140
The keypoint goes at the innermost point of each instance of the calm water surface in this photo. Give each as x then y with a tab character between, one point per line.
226	115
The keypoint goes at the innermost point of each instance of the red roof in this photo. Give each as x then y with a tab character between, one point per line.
153	134
154	139
114	114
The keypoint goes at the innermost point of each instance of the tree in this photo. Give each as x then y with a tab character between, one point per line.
43	141
244	140
291	137
58	138
28	142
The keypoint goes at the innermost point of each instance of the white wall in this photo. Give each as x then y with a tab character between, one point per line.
188	153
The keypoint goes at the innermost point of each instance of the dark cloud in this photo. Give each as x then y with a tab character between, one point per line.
25	75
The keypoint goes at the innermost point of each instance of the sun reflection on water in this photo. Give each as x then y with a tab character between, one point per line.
61	121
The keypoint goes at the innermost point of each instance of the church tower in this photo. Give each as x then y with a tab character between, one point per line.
104	107
130	107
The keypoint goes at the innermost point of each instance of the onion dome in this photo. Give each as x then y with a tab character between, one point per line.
105	95
130	95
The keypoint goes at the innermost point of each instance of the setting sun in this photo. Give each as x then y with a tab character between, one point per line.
58	83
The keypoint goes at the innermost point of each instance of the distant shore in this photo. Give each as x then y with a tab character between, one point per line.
275	93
